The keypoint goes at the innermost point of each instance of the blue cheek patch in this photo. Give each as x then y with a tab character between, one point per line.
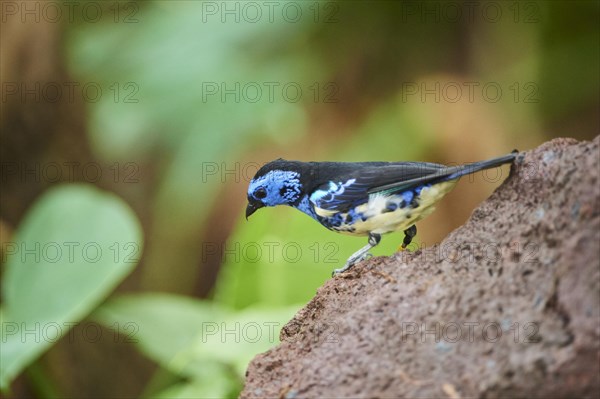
283	187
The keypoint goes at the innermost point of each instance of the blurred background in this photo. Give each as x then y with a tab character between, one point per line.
130	131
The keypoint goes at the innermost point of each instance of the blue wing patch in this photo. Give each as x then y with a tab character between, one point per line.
339	196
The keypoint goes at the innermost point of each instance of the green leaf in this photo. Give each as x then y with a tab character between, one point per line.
215	382
163	325
242	335
188	337
71	250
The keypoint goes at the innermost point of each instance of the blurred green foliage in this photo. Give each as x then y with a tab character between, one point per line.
96	241
206	345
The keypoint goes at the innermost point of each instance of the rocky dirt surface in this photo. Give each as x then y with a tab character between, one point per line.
508	305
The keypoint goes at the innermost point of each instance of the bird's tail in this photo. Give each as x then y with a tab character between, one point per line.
462	170
446	174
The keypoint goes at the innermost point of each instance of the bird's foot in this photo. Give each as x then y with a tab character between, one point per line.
351	262
408	236
347	266
359	255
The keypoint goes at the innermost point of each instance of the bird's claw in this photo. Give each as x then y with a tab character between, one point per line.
401	248
366	256
350	263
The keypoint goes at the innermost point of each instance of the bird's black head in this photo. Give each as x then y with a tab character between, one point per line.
276	183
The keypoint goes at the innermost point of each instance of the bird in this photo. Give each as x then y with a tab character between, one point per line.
360	198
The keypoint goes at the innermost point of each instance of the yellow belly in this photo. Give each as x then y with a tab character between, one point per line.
380	222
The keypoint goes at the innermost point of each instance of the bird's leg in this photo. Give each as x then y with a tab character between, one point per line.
359	255
408	236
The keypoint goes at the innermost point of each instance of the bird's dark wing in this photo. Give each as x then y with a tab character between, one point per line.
340	186
444	173
352	186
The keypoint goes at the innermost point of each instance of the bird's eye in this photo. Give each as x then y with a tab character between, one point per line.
260	193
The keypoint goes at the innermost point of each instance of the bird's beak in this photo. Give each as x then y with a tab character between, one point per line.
251	208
